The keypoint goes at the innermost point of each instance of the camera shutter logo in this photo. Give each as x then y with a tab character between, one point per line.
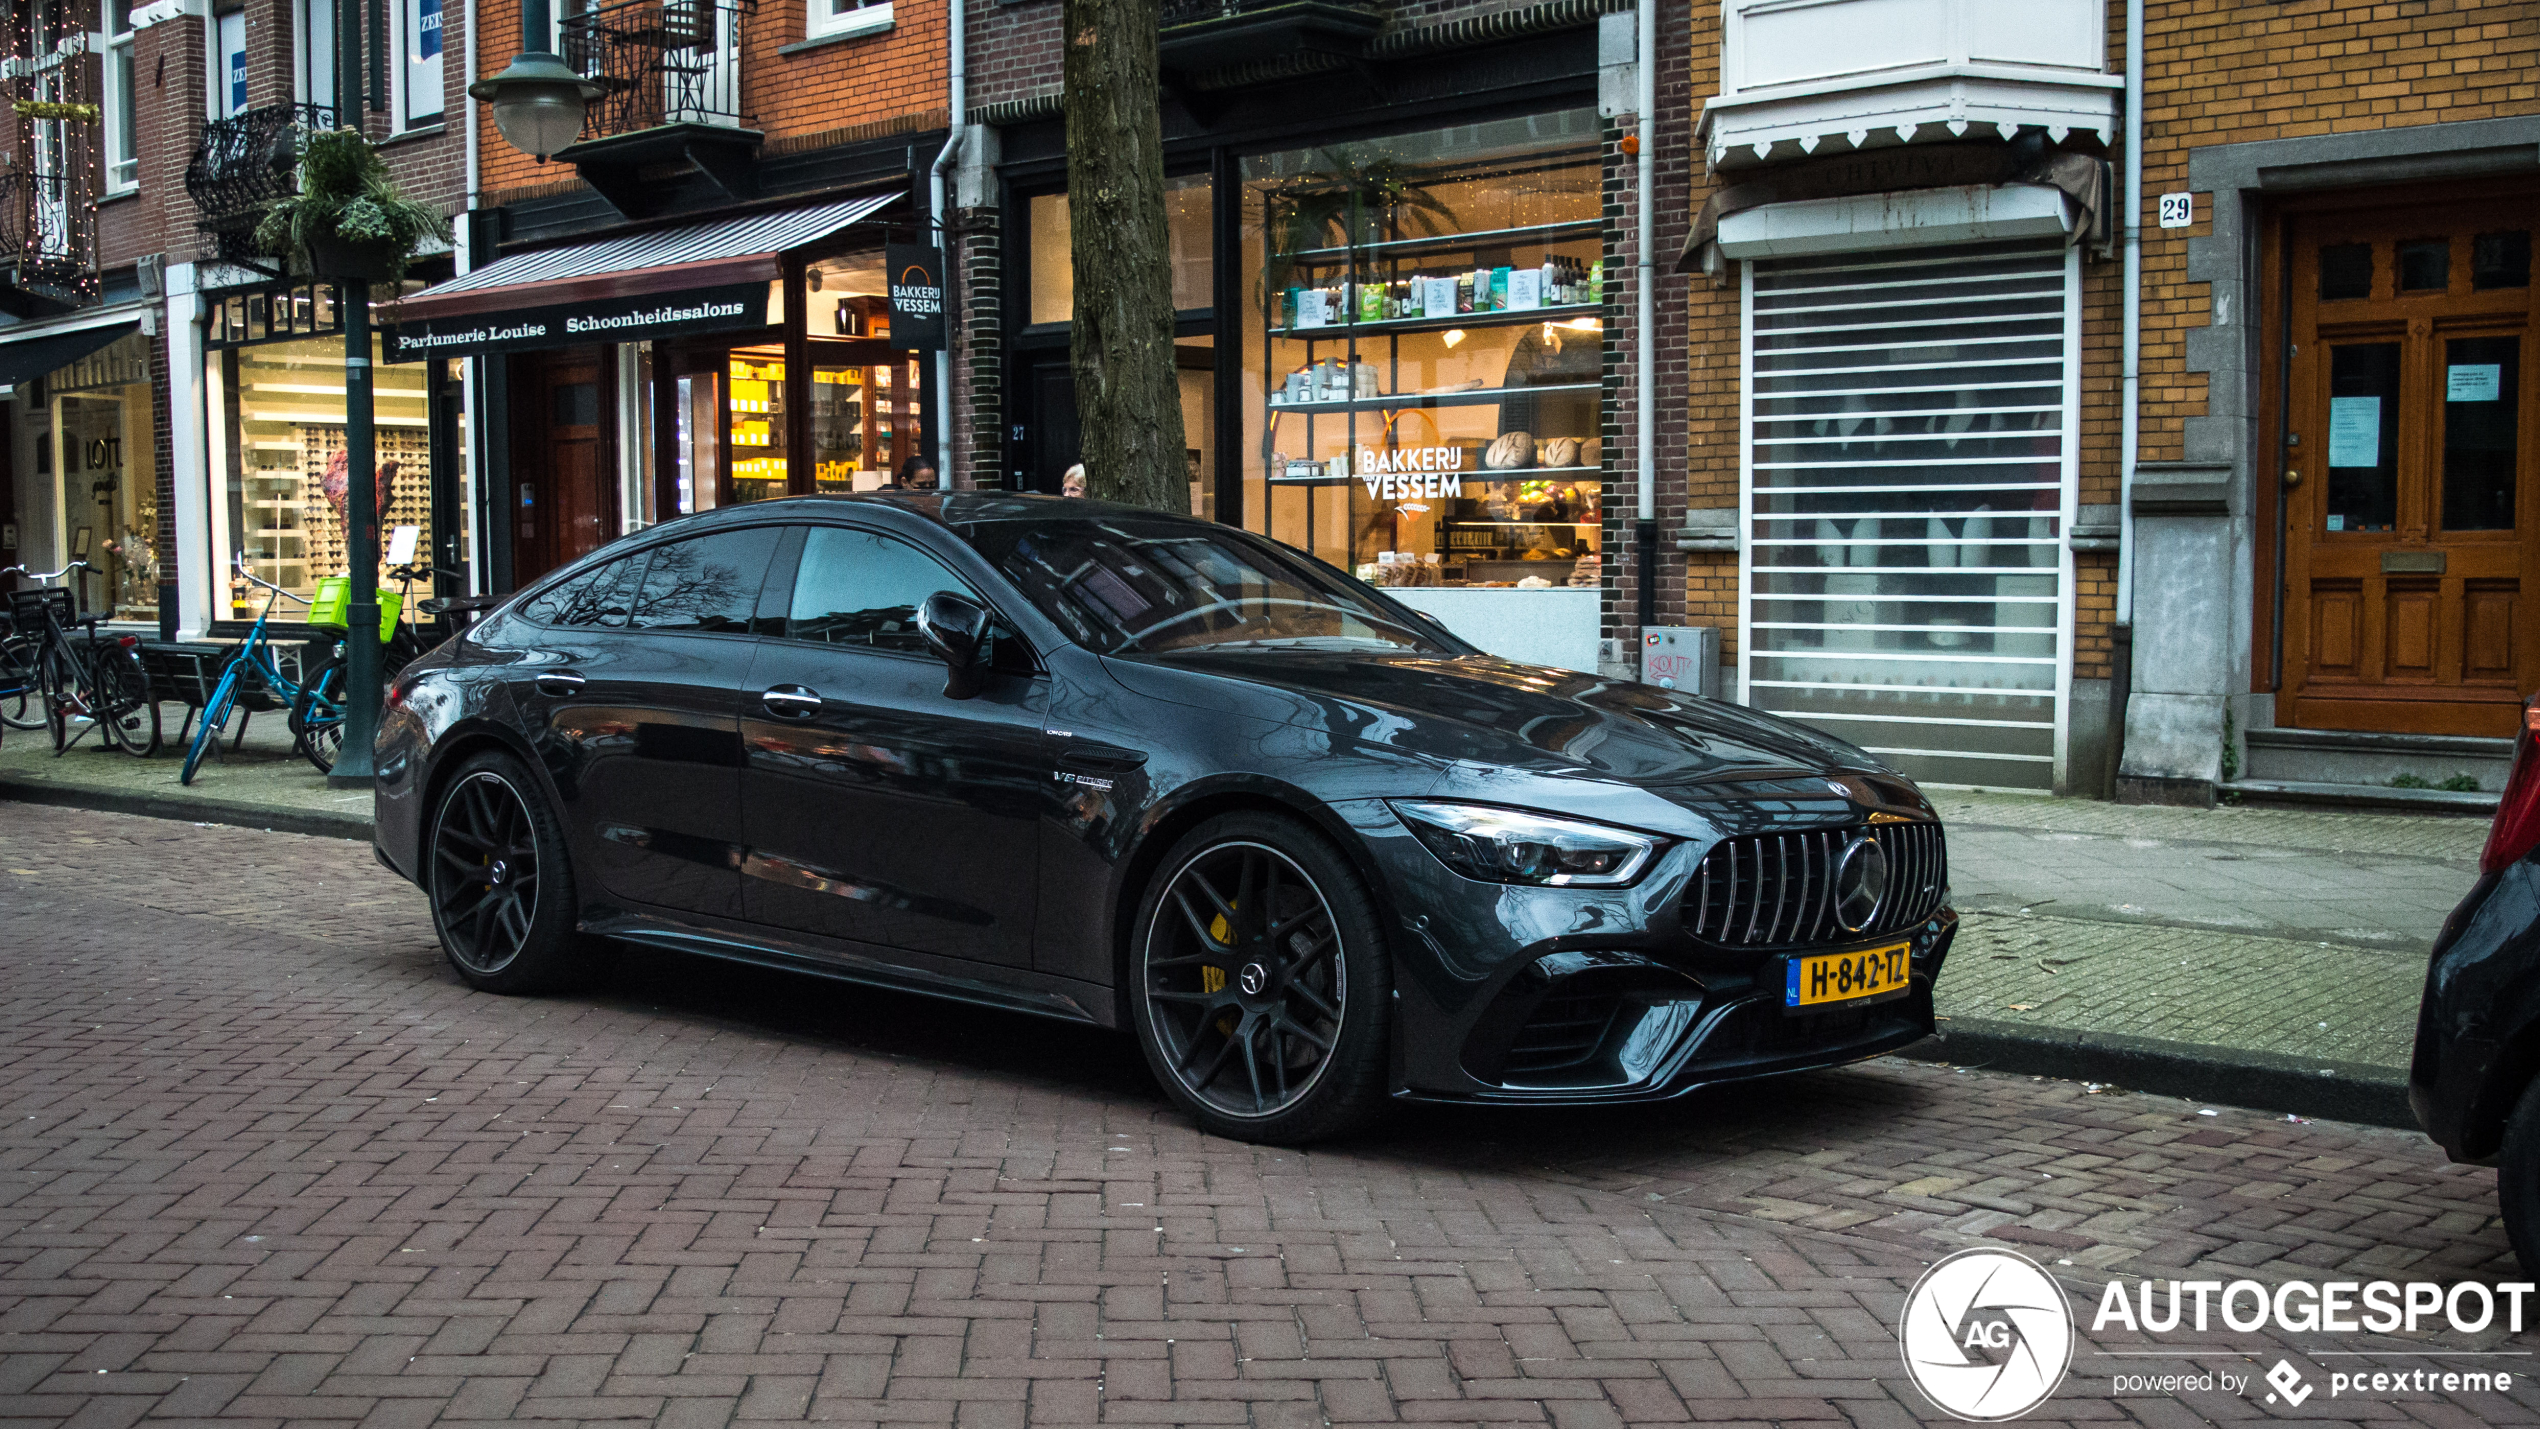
1860	882
1987	1334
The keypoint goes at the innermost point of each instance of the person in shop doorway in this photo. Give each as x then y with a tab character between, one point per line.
915	474
1073	483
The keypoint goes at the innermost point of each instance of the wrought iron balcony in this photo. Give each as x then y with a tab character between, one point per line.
1201	35
48	229
658	62
243	163
669	74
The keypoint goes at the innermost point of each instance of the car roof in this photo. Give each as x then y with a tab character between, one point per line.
941	508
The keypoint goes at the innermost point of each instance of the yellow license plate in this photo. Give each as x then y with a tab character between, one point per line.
1849	979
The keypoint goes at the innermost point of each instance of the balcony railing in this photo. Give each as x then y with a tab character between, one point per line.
658	62
48	226
249	159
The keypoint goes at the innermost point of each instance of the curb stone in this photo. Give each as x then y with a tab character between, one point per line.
2262	1081
317	822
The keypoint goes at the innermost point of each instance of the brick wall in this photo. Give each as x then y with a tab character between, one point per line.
2222	73
796	99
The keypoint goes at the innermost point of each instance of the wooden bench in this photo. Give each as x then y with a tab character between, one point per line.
189	671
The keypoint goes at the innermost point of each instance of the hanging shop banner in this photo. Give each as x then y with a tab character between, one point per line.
722	309
917	296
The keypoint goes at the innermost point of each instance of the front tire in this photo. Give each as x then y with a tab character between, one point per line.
1259	984
500	881
129	707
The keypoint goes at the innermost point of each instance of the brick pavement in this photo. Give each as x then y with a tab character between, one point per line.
263	1161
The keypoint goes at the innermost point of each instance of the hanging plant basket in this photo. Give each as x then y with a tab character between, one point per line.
343	258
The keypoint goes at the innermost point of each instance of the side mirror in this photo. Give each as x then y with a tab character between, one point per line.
955	627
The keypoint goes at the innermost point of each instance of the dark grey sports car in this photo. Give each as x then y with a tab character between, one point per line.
1150	772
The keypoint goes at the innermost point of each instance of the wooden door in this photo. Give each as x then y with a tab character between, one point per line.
563	500
2411	507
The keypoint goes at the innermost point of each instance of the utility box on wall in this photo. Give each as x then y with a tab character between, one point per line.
1681	657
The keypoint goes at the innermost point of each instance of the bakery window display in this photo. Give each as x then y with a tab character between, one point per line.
1429	343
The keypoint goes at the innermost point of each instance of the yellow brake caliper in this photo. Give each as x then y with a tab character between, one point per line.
1213	979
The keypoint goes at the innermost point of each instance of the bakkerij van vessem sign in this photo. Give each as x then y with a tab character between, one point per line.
916	282
721	309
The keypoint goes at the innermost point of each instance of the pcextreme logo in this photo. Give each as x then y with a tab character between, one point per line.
1987	1335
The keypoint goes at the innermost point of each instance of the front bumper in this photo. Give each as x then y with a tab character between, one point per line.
1552	996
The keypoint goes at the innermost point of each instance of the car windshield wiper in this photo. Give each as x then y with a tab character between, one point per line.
1289	642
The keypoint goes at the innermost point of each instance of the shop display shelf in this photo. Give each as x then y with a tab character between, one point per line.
1511	317
1454	242
1480	397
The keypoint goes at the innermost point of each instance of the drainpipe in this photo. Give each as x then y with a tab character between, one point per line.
960	128
2131	403
1645	320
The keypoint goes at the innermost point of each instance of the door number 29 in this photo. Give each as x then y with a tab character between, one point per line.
2178	210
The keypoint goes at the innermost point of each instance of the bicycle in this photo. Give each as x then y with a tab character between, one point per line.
317	717
21	693
255	659
98	683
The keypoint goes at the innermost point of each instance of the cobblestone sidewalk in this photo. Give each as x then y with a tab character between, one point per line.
263	1162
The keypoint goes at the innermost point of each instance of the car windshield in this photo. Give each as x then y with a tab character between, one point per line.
1124	584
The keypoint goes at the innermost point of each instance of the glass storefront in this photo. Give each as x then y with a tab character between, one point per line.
279	469
1423	353
101	451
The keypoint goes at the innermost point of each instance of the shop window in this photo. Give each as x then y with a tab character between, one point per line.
827	18
101	455
123	147
281	475
1423	354
1189	219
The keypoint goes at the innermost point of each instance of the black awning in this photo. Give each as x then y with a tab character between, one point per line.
29	358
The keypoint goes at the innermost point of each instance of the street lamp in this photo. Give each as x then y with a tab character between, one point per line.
539	101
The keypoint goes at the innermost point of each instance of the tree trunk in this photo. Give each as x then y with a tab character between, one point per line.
1128	396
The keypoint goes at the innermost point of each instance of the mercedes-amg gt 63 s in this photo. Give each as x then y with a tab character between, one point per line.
1149	772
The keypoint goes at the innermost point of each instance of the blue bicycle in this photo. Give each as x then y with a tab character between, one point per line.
255	660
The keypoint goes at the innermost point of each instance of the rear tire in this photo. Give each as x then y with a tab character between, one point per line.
21	687
501	882
1259	985
60	682
2518	1179
317	716
128	710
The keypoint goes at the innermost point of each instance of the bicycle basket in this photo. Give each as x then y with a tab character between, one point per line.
335	593
27	607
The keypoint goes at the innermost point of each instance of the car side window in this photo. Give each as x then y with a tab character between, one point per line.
600	596
860	588
706	583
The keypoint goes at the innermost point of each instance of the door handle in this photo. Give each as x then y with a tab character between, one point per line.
559	685
791	701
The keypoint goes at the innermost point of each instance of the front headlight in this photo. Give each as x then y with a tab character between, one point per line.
1512	846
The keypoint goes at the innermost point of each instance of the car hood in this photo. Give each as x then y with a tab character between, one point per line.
1488	719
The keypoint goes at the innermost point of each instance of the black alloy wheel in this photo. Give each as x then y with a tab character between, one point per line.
1260	981
500	883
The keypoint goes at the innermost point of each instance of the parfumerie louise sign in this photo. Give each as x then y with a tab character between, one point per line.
737	305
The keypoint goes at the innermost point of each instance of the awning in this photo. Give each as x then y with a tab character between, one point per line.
30	358
2084	180
701	277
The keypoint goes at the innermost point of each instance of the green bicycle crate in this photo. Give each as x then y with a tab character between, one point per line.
334	593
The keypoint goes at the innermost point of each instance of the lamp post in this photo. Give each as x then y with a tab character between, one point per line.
539	101
353	768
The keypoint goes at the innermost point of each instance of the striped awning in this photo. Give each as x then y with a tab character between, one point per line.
669	260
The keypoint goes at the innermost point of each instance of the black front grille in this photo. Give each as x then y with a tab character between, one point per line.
1778	890
1564	1030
